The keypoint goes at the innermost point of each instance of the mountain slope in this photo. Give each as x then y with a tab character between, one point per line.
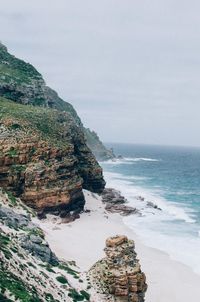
22	83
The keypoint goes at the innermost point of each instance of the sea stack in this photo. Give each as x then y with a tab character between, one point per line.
119	275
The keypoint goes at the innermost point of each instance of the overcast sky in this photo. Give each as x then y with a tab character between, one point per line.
130	68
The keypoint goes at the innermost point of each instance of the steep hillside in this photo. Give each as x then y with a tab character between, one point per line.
22	83
29	270
44	158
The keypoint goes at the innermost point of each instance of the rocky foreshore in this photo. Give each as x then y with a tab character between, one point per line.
116	203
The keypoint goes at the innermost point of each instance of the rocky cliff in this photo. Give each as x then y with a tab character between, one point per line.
118	277
22	83
44	157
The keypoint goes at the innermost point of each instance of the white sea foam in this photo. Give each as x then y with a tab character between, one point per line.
171	230
128	160
142	159
180	245
131	192
117	162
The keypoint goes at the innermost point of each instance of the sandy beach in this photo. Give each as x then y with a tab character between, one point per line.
84	239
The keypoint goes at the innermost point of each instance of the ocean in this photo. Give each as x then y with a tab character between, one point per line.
170	178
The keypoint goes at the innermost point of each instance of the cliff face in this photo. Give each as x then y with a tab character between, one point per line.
44	157
22	83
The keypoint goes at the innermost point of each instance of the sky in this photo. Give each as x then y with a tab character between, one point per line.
130	68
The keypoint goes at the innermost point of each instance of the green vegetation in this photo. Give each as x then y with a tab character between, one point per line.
50	298
4	245
49	268
4	240
16	287
83	295
69	270
33	150
12	152
31	264
15	127
62	280
18	168
36	120
45	275
16	69
12	198
35	231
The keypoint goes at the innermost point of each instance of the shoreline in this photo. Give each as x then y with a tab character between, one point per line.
84	239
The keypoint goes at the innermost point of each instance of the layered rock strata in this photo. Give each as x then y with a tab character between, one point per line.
44	159
119	276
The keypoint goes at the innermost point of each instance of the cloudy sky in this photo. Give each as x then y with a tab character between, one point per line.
130	68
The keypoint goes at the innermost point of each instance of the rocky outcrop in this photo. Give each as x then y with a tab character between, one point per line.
22	83
118	276
38	248
44	159
15	220
116	203
33	240
29	270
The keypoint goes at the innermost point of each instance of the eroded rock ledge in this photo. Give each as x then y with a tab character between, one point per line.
118	277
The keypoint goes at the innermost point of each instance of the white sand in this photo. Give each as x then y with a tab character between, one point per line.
84	240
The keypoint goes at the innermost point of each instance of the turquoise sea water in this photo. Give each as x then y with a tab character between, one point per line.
170	178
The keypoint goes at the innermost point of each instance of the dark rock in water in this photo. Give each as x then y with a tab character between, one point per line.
153	205
140	198
121	209
112	196
115	203
149	204
35	245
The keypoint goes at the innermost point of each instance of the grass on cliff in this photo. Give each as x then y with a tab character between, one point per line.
49	123
15	69
16	287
